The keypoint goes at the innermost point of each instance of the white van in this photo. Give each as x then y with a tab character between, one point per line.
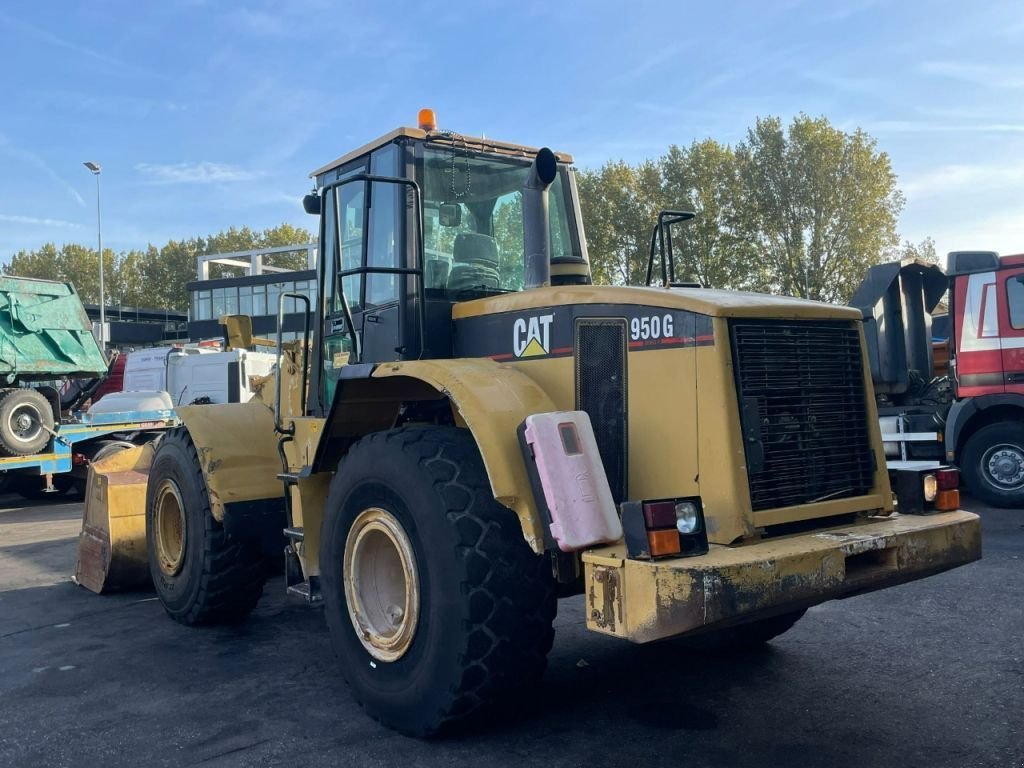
191	373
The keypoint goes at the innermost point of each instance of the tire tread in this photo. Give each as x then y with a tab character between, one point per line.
509	589
232	577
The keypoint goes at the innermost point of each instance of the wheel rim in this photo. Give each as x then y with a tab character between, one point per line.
1003	466
170	528
381	584
25	423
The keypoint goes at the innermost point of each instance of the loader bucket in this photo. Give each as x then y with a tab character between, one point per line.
112	544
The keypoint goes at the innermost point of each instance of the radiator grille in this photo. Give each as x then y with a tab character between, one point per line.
805	422
600	351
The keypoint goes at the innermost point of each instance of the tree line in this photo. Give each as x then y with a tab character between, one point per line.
801	210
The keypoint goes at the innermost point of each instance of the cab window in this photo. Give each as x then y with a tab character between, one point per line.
1015	300
473	223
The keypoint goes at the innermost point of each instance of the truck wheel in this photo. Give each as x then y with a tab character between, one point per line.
745	636
435	604
993	464
201	575
26	421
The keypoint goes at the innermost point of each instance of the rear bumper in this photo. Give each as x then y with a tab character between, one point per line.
650	600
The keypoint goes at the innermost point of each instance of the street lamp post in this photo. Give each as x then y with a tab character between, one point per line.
95	169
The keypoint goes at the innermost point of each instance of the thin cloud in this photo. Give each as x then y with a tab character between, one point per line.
7	147
194	173
48	38
922	126
957	177
648	63
33	221
1001	78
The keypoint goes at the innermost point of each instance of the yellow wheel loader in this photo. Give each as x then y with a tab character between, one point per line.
470	429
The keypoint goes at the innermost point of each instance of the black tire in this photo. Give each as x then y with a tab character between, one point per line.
105	448
218	579
487	602
26	422
1000	484
745	637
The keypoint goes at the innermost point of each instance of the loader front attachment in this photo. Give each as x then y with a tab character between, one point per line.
112	544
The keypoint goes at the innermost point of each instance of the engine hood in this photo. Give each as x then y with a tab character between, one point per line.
704	301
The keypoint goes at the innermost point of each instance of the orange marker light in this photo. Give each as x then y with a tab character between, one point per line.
427	120
663	542
947	500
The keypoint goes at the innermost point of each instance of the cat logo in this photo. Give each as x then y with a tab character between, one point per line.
531	337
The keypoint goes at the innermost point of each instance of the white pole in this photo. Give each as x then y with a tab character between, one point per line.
99	240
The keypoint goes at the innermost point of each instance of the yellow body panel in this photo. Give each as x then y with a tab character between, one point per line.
237	449
650	600
112	544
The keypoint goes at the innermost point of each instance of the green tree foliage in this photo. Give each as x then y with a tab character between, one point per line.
802	210
620	203
155	277
712	249
923	250
819	203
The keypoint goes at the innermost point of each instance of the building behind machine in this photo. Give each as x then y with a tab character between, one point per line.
253	290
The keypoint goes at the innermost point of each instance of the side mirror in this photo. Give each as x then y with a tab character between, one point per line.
311	204
450	214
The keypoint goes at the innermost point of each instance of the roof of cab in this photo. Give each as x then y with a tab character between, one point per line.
445	138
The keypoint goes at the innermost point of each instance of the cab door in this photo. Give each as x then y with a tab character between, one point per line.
977	323
342	247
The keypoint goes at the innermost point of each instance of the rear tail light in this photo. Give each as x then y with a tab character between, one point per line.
672	527
660	514
923	491
948	479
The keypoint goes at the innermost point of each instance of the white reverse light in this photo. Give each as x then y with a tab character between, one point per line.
687	519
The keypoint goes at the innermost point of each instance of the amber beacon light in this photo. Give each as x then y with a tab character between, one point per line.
427	120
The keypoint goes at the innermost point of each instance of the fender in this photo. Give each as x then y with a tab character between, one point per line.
489	398
237	449
962	411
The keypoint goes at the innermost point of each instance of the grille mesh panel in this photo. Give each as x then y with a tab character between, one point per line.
805	383
601	392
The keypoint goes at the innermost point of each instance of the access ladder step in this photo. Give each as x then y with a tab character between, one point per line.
295	534
289	478
307	590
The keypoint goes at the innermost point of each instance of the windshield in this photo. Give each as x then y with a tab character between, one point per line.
473	222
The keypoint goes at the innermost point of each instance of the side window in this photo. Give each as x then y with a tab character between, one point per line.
351	205
1015	300
329	254
384	245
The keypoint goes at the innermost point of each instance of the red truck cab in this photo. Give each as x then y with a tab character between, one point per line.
985	424
988	316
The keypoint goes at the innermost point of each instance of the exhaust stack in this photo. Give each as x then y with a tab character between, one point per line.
536	219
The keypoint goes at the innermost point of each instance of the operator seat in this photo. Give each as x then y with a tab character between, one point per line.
474	262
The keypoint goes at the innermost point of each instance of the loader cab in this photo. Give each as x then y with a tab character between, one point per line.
414	223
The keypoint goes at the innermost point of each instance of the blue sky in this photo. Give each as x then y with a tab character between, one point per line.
211	114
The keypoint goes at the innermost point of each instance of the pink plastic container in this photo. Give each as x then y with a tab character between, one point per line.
569	469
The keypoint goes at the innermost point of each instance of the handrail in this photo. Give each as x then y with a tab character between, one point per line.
278	426
662	236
